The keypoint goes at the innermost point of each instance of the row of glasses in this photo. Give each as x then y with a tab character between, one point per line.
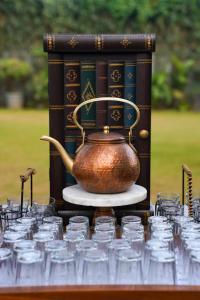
76	257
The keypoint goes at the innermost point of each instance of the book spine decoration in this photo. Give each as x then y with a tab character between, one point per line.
56	128
115	89
72	99
88	91
129	92
143	143
101	91
99	43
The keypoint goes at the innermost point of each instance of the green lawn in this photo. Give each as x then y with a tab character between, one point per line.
175	140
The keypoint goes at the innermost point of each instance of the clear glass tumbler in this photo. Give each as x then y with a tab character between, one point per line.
6	270
128	267
50	248
73	238
11	237
41	238
95	267
62	268
105	220
29	268
55	220
162	268
81	249
194	268
106	228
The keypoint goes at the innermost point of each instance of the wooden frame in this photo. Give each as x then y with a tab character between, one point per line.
142	292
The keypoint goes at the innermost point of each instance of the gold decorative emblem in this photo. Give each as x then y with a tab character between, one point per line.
116	75
88	93
125	42
73	42
129	116
130	75
71	96
116	115
70	117
148	44
116	93
98	42
129	97
71	75
50	42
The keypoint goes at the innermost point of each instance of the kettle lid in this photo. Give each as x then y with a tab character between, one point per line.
106	137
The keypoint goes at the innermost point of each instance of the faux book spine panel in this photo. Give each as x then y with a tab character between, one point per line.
72	99
143	96
101	91
56	125
88	91
115	89
129	92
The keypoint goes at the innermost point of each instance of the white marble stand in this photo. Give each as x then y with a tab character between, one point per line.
76	195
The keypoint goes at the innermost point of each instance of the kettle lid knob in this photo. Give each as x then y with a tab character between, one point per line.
106	129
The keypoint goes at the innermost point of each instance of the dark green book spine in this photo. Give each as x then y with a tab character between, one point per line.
71	100
129	92
115	89
88	91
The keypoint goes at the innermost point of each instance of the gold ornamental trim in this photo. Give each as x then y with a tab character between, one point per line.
56	107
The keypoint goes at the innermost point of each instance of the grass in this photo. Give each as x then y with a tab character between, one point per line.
175	140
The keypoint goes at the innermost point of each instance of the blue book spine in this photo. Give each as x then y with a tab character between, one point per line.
129	92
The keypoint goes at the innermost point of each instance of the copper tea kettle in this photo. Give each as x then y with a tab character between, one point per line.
105	163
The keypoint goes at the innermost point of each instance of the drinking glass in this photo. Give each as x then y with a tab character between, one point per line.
50	248
42	209
136	241
55	220
154	220
29	268
79	220
162	268
132	227
165	237
194	269
95	267
50	227
23	246
31	221
130	219
115	246
102	239
9	214
81	249
26	229
106	228
78	227
73	238
41	238
6	272
11	237
105	219
62	268
128	267
151	245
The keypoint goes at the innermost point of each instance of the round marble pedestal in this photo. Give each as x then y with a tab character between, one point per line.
76	195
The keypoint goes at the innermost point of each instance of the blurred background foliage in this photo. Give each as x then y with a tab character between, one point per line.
176	71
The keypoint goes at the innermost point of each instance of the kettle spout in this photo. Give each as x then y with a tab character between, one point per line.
67	160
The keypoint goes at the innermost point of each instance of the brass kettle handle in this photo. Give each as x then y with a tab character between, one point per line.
106	99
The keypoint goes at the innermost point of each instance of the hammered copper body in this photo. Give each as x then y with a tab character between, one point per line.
109	166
